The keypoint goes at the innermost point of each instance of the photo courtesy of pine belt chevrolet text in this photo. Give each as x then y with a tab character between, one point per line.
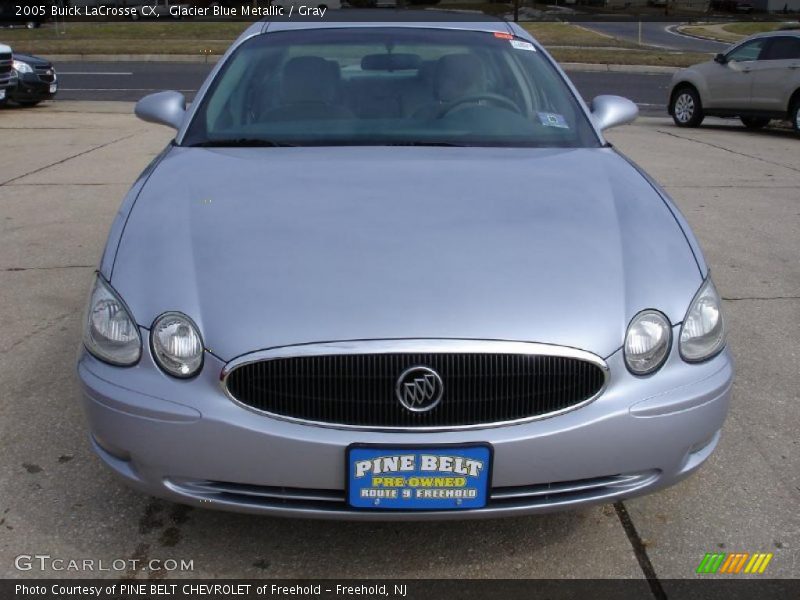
394	271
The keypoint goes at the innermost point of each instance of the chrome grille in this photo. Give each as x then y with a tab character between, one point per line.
5	69
358	390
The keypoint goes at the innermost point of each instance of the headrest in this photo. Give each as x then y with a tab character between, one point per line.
390	62
458	75
310	79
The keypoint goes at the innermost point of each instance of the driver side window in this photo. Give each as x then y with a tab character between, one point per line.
747	52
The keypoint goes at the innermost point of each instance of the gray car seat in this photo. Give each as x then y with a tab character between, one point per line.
309	90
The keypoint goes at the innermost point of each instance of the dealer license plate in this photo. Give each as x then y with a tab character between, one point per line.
53	88
418	478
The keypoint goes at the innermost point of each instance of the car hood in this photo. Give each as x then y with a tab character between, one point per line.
31	60
277	246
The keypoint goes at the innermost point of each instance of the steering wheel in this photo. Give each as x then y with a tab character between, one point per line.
496	98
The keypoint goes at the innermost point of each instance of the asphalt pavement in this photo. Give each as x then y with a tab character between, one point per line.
656	34
129	81
65	168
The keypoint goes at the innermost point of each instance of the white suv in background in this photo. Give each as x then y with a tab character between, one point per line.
758	79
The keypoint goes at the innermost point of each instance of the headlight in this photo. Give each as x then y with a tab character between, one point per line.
177	346
647	342
703	329
22	67
109	331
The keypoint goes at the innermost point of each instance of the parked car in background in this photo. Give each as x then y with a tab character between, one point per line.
6	71
756	80
23	13
35	80
395	271
739	6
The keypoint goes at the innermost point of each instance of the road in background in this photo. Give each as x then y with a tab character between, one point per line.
656	34
129	81
650	92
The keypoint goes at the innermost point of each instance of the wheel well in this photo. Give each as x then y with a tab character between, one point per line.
794	98
677	88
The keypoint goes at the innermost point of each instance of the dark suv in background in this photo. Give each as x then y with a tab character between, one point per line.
36	80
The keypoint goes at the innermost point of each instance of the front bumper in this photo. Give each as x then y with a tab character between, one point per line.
185	441
31	88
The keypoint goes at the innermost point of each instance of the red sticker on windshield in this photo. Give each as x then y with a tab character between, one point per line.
503	36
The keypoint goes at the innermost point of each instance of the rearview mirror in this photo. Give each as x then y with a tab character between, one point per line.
720	58
164	108
610	111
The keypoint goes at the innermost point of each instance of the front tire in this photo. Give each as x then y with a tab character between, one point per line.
794	115
754	122
686	109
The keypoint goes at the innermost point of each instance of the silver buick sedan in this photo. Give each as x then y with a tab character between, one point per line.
395	271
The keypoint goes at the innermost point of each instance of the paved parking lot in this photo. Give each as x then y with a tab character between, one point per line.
64	168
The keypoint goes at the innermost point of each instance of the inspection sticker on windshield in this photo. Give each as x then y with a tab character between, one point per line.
553	120
520	45
405	478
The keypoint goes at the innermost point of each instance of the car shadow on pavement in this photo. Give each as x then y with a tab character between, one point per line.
256	546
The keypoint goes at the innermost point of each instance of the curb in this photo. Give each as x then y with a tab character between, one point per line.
678	29
605	68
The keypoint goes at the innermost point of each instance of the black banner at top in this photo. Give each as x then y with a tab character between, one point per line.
25	12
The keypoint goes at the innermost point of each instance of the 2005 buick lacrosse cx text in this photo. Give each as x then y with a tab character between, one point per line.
394	271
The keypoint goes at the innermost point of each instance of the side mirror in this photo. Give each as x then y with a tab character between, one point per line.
610	111
164	108
720	58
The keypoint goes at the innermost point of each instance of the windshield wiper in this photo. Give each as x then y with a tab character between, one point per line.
444	144
242	143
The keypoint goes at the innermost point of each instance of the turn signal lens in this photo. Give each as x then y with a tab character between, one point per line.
109	331
703	329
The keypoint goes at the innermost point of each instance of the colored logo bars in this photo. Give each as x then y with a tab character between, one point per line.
735	563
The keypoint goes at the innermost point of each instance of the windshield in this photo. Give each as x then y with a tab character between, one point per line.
389	86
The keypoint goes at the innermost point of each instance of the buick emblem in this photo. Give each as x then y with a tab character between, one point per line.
419	389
